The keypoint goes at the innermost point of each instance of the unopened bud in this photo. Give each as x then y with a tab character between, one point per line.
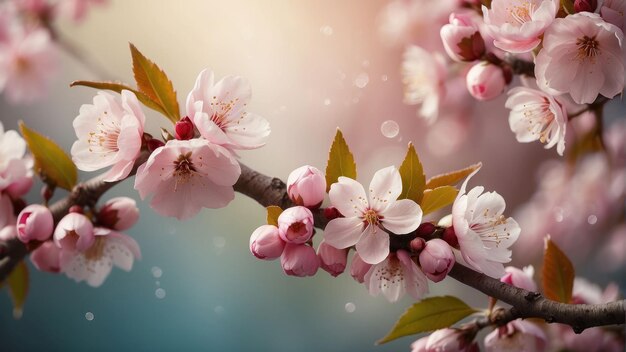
76	209
585	5
450	237
154	144
331	213
184	129
425	230
34	223
485	81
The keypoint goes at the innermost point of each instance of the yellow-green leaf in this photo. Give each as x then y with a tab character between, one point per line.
557	274
50	160
413	178
340	161
273	212
119	87
451	178
153	82
430	314
435	199
18	288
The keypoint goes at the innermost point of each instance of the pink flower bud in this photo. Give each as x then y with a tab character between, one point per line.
47	257
585	5
436	259
520	278
299	260
333	260
417	244
450	339
485	81
306	186
74	232
425	230
154	144
265	243
461	38
295	225
184	129
34	223
450	237
119	213
331	213
359	268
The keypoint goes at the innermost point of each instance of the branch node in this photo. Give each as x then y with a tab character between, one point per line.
532	296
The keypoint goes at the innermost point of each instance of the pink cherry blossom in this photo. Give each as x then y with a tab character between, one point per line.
483	233
34	223
219	111
299	260
518	335
582	56
15	167
74	232
332	260
265	243
306	186
366	221
77	10
184	129
436	259
612	11
94	263
517	25
536	115
47	257
109	134
461	38
359	268
395	276
485	81
28	61
185	176
423	75
119	213
446	340
520	278
295	225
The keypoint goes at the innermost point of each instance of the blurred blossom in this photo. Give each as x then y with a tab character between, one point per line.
423	75
518	335
612	11
520	278
77	10
396	275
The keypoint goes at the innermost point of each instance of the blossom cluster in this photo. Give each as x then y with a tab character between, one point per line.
28	44
577	58
476	234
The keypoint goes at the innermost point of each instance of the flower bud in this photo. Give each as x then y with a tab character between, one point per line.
299	260
520	278
461	38
585	5
436	259
359	268
119	213
333	260
485	81
417	244
450	339
331	213
450	237
425	230
74	232
518	335
306	186
265	242
34	223
47	257
295	225
184	129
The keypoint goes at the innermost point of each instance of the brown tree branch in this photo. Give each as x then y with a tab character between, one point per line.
272	191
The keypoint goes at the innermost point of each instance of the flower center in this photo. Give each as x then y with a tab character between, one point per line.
22	65
371	217
587	47
539	118
95	251
183	166
522	12
391	273
106	134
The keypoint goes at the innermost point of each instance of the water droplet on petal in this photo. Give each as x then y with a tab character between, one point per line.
159	293
592	219
89	316
389	128
362	80
156	272
350	307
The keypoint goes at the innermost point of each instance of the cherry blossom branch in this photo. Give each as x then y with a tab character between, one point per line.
273	191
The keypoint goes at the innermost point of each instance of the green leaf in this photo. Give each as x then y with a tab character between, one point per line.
430	314
435	199
118	87
153	82
51	162
557	273
340	161
273	212
451	178
413	178
18	288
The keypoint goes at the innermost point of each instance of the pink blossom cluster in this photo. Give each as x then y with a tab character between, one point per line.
195	167
28	51
476	234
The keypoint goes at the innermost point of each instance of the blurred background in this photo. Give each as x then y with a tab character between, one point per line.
313	66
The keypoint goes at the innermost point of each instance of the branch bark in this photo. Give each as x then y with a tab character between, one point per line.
272	191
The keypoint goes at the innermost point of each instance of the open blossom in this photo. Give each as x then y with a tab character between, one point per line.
295	225
185	176
109	134
27	63
423	75
366	220
218	109
395	276
15	167
74	232
612	11
518	335
516	25
536	115
483	233
582	56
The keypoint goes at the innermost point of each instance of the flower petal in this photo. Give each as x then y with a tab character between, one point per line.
348	196
373	246
343	232
402	217
385	188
